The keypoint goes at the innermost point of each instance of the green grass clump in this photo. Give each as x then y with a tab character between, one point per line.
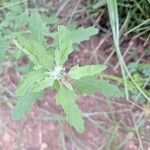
133	13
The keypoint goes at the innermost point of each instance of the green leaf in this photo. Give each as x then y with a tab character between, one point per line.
52	19
66	98
82	34
37	27
28	81
56	85
41	85
27	47
65	45
68	85
22	19
77	72
89	85
3	46
36	52
24	104
66	38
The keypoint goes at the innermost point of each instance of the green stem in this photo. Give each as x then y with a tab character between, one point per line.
111	77
115	78
119	80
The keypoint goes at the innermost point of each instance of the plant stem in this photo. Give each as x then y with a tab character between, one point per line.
115	78
111	77
119	80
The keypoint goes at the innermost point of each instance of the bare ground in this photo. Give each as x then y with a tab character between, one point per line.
110	123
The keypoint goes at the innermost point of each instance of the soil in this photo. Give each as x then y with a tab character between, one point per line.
44	128
40	131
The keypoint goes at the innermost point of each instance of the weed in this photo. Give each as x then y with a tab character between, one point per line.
28	33
28	36
49	71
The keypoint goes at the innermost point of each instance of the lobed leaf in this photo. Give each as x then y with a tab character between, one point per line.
28	81
77	72
89	85
36	52
22	20
24	104
67	38
65	45
66	98
83	34
37	27
41	85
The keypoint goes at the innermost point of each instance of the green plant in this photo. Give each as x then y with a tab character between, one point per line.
48	61
15	20
133	15
114	20
49	70
141	75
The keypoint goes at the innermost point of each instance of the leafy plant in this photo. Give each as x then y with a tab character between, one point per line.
141	75
49	71
114	20
16	18
133	15
13	20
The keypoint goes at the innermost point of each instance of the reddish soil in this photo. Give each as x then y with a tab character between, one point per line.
44	128
40	131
